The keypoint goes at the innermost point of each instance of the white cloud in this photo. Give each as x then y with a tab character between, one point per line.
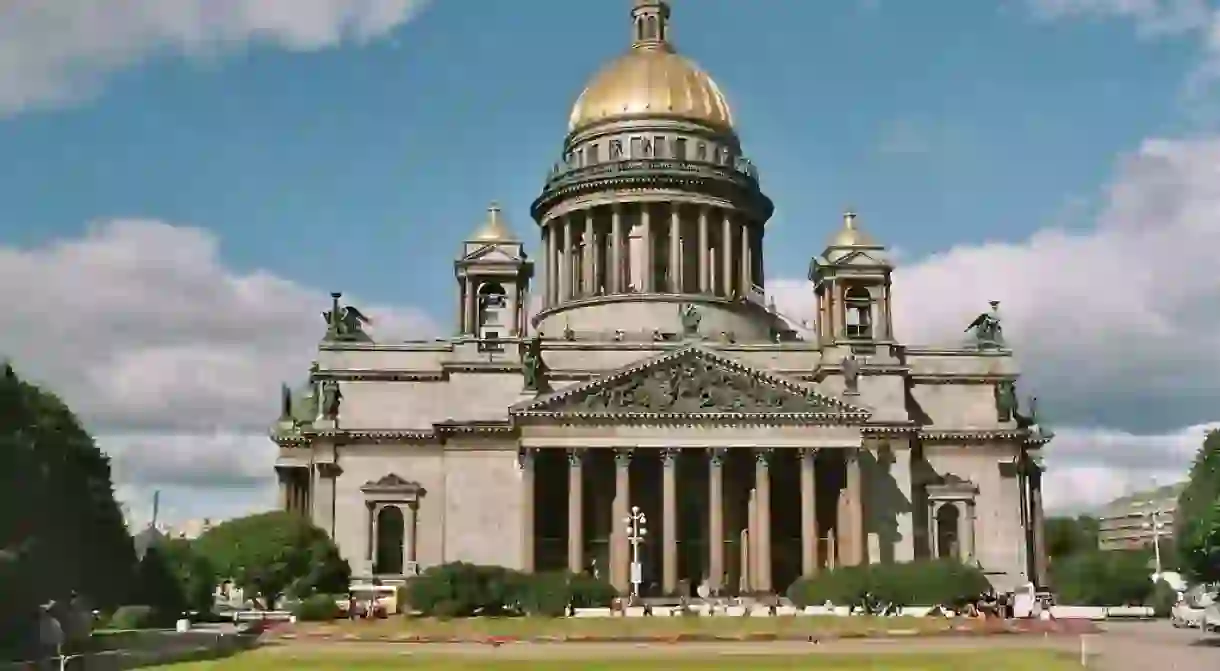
171	358
1115	325
62	51
1092	466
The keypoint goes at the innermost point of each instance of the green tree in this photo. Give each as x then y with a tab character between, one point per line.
61	530
194	573
273	554
1202	490
1114	578
1067	536
1202	555
156	586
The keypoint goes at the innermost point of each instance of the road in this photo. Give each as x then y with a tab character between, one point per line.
1137	646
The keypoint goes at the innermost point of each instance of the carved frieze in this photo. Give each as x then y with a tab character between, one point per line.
694	386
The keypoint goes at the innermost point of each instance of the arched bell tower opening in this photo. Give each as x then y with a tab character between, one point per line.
653	205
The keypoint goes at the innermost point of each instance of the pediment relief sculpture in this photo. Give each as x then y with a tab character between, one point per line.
691	384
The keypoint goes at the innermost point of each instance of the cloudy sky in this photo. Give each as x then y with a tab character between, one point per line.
187	180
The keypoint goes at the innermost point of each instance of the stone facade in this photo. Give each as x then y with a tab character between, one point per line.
658	377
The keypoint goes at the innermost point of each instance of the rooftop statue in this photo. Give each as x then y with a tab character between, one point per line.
533	365
690	317
988	333
345	323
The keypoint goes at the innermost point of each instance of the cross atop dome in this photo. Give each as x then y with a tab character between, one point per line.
650	24
494	229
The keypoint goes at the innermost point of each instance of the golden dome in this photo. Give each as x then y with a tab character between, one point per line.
850	235
493	229
651	79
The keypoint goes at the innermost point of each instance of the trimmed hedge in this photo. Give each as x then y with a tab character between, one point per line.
917	583
465	590
135	617
317	608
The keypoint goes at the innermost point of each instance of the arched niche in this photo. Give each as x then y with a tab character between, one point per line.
390	532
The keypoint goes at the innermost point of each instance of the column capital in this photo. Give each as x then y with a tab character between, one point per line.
762	455
622	456
809	452
851	455
575	456
717	455
669	456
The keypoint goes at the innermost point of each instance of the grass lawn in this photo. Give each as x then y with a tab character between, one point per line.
998	660
530	627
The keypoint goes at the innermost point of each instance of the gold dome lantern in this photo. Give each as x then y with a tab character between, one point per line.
651	79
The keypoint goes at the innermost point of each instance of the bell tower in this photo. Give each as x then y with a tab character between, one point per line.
493	276
851	283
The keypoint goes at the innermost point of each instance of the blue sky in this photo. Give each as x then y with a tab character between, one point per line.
184	188
972	124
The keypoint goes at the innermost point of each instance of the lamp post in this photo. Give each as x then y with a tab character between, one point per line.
1155	523
635	535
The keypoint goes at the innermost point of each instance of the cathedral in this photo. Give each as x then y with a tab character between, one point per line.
655	421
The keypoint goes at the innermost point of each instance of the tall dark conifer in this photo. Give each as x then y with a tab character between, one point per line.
61	530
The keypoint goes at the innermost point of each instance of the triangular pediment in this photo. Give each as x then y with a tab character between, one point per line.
490	254
691	381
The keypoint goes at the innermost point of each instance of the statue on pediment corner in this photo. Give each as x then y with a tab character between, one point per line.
332	397
1006	400
533	365
690	317
851	375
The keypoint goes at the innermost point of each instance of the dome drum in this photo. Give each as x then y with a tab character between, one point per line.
700	181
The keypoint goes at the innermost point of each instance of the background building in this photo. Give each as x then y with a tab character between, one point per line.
1126	523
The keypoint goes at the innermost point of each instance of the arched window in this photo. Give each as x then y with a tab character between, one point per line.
639	29
859	318
391	529
652	27
492	302
948	521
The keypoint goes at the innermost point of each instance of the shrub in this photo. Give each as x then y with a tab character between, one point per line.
1163	599
589	592
317	608
134	617
1113	578
545	594
918	583
464	590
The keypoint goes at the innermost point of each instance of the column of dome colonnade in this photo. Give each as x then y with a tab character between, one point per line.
653	203
747	514
607	250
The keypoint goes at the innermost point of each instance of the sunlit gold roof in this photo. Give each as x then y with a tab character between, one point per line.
651	79
851	235
493	229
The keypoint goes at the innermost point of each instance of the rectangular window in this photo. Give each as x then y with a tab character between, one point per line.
616	150
658	147
680	149
701	151
637	149
592	154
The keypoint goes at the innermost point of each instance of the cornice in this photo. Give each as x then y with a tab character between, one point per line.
973	435
753	418
962	378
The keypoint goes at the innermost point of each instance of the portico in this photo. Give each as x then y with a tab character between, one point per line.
735	492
